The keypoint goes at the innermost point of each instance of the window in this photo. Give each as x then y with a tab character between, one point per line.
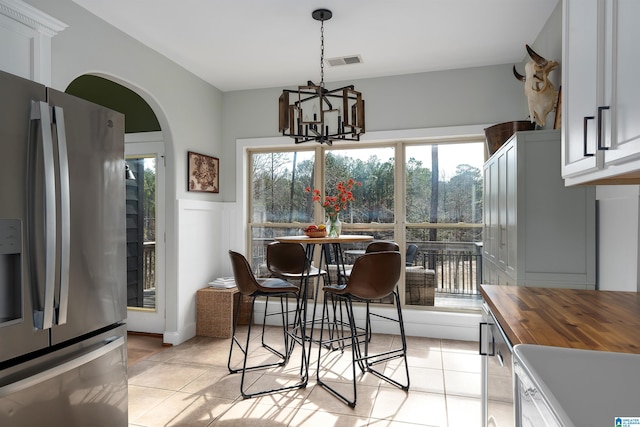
278	204
426	197
374	168
444	220
144	154
278	181
141	231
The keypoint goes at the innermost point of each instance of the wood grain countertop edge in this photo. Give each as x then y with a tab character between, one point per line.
584	319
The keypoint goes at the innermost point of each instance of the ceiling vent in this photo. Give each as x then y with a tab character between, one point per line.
345	60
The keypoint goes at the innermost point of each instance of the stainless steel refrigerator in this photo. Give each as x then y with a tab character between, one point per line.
63	355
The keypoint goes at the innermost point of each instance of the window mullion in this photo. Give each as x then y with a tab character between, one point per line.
399	212
318	182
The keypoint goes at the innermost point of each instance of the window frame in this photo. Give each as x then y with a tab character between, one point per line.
398	139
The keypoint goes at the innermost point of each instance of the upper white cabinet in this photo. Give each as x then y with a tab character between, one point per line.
25	34
538	232
601	95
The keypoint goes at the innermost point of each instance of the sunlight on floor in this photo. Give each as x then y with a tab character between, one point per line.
189	385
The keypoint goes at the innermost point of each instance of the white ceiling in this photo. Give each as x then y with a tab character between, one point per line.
249	44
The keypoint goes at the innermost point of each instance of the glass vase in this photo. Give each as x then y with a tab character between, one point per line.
334	226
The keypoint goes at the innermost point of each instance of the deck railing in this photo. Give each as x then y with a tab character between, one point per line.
458	265
149	265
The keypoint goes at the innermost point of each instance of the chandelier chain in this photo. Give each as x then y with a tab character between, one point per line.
322	54
313	113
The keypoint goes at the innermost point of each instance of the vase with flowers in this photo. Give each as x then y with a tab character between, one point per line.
333	225
333	205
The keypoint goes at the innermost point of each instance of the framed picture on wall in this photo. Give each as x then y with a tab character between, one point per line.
203	173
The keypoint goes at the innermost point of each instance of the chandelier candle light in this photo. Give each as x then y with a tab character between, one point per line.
313	113
333	205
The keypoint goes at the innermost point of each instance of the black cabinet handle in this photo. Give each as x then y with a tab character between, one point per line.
483	344
600	109
584	134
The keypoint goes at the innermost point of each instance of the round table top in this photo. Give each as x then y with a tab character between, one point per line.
343	238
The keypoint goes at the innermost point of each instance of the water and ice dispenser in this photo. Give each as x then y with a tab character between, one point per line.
10	271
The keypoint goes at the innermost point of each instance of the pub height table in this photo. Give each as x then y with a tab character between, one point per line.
310	244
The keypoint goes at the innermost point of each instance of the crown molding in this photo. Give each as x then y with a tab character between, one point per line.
31	17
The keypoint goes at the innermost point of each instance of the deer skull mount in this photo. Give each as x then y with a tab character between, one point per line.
541	95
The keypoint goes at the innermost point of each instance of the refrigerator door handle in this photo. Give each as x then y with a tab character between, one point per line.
65	215
43	316
106	346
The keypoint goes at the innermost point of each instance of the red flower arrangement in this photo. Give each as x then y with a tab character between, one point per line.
335	204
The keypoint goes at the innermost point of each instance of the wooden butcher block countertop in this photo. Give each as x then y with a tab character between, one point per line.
591	320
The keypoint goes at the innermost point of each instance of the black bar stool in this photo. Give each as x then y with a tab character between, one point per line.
248	285
288	261
374	276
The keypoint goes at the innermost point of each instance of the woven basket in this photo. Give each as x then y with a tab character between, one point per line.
215	311
499	134
318	233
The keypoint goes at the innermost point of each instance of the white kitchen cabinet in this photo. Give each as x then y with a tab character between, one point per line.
499	244
558	386
601	96
537	232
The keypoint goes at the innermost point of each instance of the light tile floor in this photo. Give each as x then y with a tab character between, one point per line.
189	385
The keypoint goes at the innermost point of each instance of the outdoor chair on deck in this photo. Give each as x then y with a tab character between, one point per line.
254	288
412	250
374	276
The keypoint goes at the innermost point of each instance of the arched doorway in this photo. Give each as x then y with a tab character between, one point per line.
145	189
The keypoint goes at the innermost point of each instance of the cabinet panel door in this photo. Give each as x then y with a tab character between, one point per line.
622	89
488	273
581	78
502	209
511	206
490	246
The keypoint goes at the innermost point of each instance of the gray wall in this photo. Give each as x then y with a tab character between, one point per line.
205	119
549	45
414	101
438	99
198	117
189	111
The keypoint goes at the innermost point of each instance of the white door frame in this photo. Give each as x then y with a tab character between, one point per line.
139	319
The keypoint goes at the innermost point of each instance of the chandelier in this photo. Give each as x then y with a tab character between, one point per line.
313	113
